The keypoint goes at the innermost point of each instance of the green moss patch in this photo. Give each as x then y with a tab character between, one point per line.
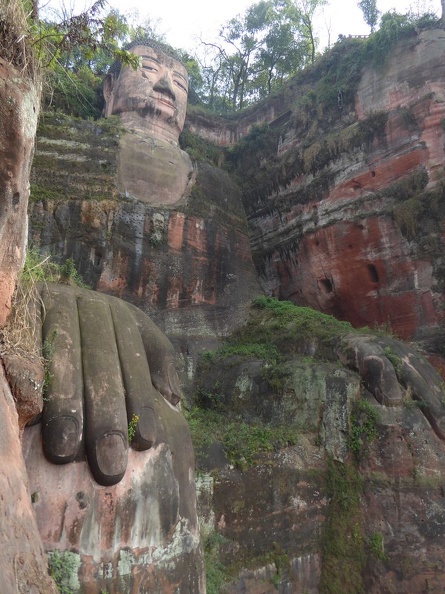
243	443
343	542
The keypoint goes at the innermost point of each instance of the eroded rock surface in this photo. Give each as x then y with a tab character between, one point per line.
190	267
343	215
20	102
356	505
140	535
23	563
111	464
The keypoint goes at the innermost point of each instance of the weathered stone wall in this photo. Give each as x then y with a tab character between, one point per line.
189	267
23	564
225	132
290	522
19	108
339	232
336	228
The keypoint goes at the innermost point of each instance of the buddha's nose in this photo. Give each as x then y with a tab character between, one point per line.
164	85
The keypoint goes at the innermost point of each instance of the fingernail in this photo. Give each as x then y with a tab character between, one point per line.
61	439
111	456
173	380
146	429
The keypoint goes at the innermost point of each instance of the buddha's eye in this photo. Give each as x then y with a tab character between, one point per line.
149	68
181	86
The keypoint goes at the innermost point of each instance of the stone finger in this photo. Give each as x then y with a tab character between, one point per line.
423	382
375	369
63	415
160	355
106	424
139	390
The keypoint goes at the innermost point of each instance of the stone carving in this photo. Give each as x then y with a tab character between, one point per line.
112	380
112	372
137	519
151	102
107	361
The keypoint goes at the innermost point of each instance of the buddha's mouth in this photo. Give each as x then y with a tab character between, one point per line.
166	102
164	99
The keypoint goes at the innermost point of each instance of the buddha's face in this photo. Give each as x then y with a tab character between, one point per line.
157	91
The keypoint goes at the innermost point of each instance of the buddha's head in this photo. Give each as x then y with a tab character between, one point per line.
153	97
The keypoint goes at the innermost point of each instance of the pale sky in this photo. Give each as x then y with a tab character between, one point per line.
183	21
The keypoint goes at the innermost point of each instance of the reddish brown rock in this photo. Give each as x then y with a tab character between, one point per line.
140	535
23	564
20	102
350	246
190	267
361	271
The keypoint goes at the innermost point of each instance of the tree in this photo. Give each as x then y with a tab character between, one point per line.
282	51
258	50
75	51
244	36
370	13
305	12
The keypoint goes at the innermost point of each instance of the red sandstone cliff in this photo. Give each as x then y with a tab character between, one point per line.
347	215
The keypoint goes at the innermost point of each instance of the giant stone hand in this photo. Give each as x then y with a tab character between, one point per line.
107	359
393	372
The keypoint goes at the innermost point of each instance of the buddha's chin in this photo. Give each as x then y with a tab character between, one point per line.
157	122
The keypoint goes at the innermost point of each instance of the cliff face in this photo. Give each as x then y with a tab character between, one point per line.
346	216
308	525
354	503
189	267
23	564
19	110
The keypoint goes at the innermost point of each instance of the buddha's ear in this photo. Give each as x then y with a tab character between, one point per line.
108	91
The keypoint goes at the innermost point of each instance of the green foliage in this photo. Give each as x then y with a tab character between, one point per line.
416	210
277	372
266	352
16	17
41	193
62	566
287	326
258	144
394	359
257	50
200	149
370	12
363	427
282	563
408	118
343	551
47	354
70	275
78	94
376	546
242	442
83	38
132	427
393	28
38	268
216	575
75	53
